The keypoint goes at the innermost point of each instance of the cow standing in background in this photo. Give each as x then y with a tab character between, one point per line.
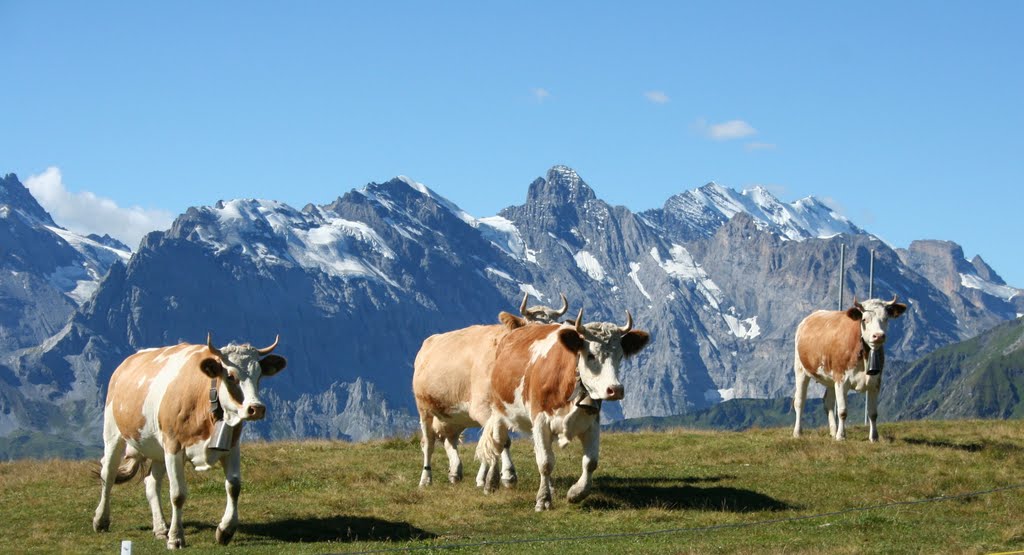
451	383
835	348
549	380
161	406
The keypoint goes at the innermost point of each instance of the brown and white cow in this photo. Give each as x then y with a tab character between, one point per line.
548	380
451	384
835	348
160	408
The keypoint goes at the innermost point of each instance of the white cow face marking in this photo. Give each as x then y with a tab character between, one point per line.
601	349
874	315
240	370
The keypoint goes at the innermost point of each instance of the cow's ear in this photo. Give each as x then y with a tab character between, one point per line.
272	364
571	339
854	313
211	367
511	321
895	310
633	341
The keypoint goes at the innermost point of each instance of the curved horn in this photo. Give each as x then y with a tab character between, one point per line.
209	344
267	350
629	323
855	303
522	307
893	301
565	306
579	322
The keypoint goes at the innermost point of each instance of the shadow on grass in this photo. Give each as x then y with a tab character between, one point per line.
337	529
613	493
968	447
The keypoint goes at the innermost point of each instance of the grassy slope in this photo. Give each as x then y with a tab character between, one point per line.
316	497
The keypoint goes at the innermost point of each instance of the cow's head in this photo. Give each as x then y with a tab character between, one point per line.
238	369
601	346
873	315
540	314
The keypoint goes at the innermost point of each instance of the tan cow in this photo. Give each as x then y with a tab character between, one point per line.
163	406
549	380
451	381
835	348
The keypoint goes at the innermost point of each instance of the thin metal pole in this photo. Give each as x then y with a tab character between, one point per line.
871	295
871	276
842	268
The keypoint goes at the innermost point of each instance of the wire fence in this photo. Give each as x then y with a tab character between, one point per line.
685	530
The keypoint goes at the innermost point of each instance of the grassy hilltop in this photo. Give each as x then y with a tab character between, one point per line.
330	497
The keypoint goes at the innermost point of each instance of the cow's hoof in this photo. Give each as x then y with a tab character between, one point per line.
224	536
426	480
544	505
577	494
177	543
160	533
101	524
509	478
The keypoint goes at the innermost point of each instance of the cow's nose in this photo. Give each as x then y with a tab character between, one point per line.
256	411
615	392
878	337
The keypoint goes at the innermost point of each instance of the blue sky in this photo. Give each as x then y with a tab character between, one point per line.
906	116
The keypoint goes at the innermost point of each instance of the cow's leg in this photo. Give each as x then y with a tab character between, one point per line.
545	460
840	393
451	447
872	414
829	401
154	481
481	475
113	454
591	440
175	463
233	487
427	444
799	397
509	477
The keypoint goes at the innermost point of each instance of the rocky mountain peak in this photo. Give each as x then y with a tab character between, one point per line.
561	186
17	198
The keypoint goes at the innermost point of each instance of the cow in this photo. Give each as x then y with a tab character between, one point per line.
451	381
163	405
843	350
549	380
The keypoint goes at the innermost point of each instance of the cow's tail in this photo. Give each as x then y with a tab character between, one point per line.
129	468
492	441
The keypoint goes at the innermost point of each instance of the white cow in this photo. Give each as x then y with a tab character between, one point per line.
834	347
160	407
549	380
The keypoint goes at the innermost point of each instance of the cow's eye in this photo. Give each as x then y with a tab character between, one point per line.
232	377
590	356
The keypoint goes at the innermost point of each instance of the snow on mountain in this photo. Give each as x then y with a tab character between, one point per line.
704	209
80	279
1004	292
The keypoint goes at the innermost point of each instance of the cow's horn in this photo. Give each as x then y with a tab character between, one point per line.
565	306
893	301
629	323
855	303
579	321
209	344
267	350
522	307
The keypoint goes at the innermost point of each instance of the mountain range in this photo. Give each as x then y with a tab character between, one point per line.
719	277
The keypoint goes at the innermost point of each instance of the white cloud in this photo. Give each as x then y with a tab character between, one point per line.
657	97
540	94
85	213
725	131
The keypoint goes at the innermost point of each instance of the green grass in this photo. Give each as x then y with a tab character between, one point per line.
319	497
